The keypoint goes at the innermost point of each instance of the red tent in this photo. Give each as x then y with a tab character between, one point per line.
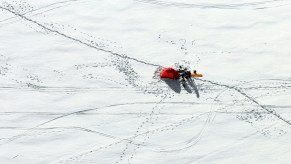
170	73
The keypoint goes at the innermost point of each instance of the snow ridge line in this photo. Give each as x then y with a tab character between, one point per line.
250	98
77	40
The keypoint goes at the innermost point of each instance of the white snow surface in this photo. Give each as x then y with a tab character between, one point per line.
79	81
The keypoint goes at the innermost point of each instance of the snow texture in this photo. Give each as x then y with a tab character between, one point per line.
79	81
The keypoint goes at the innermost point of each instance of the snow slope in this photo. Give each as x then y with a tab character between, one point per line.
79	81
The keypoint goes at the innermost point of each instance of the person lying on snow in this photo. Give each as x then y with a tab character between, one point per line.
184	73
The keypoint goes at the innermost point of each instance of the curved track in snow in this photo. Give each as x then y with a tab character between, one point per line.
143	126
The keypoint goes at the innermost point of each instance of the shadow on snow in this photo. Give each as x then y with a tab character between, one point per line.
189	85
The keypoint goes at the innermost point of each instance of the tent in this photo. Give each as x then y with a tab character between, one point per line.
170	73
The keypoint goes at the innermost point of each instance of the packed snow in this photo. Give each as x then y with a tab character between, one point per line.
79	81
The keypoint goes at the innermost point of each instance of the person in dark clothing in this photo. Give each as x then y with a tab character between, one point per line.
184	73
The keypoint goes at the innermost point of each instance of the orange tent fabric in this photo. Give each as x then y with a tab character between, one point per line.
170	73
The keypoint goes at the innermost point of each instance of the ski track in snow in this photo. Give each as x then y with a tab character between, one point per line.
252	5
42	10
148	127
